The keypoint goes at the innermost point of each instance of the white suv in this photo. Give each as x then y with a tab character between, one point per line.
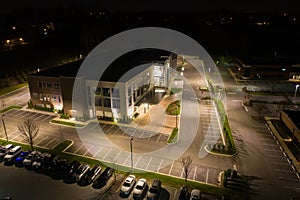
12	154
127	186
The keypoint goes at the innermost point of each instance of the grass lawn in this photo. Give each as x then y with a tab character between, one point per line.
173	136
9	108
9	89
173	108
66	123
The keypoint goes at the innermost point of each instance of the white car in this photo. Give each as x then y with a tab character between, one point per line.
139	188
127	186
195	194
12	154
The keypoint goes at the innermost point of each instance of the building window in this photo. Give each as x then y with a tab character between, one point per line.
54	98
59	100
35	95
129	101
129	90
116	92
106	92
98	91
98	101
44	84
57	85
41	97
106	102
116	103
49	85
40	84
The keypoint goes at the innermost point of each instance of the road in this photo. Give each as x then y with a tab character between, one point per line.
18	97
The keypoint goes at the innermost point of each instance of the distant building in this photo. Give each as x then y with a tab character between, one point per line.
116	95
263	69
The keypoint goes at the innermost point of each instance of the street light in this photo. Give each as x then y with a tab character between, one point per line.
4	127
131	153
296	92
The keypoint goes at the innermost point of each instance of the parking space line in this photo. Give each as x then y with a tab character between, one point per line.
49	142
126	159
96	124
116	158
88	150
182	172
107	153
158	138
26	114
274	150
160	165
46	118
19	113
171	168
41	115
42	140
207	175
175	194
195	173
16	137
78	149
279	163
138	160
100	149
148	163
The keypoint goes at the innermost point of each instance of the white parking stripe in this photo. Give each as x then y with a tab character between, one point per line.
158	138
160	165
207	175
78	149
195	173
26	114
88	150
107	153
39	116
46	118
19	113
171	168
49	142
44	138
98	151
138	160
126	159
282	170
148	163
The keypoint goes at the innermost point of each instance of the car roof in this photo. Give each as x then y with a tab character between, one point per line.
130	178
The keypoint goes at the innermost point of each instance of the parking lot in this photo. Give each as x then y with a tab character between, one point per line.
107	152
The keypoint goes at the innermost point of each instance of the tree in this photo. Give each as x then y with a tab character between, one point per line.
29	130
186	164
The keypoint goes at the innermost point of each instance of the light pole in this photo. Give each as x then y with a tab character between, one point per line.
296	92
4	127
131	139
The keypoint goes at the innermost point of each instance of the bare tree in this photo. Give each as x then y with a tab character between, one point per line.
186	164
29	130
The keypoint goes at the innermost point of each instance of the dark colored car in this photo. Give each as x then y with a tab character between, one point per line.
48	164
103	178
28	160
154	190
39	161
70	170
183	193
59	168
19	160
93	174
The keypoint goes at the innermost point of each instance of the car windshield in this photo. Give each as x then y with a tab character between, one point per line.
126	184
139	187
153	190
2	150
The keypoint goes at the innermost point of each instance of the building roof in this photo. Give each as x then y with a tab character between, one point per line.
123	64
294	116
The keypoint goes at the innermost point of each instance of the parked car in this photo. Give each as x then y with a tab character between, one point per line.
127	186
103	178
30	158
12	154
154	190
81	171
70	170
39	160
195	194
59	168
93	173
4	150
48	164
19	160
183	193
139	188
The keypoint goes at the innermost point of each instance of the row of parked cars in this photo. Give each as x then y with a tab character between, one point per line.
55	166
140	188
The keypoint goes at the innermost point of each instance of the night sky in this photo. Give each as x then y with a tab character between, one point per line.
15	6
